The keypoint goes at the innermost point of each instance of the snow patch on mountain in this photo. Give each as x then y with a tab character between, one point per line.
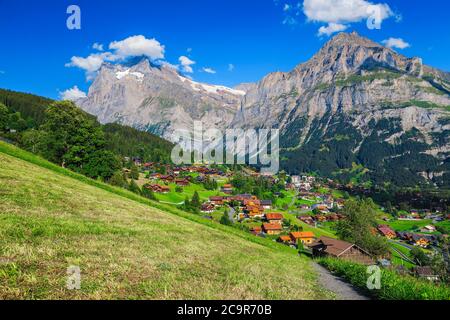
197	86
122	74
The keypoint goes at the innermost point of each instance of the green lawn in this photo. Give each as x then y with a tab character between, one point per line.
306	227
175	197
289	199
407	225
398	259
445	225
126	247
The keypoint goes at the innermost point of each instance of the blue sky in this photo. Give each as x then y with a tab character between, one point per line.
255	36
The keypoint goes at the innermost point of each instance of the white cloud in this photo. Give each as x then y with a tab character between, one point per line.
209	70
120	50
72	94
398	43
91	63
186	64
230	67
286	7
97	46
189	50
342	12
138	46
331	28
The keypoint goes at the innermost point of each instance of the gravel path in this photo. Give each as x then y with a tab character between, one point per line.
342	289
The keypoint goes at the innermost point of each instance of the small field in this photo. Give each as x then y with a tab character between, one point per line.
407	225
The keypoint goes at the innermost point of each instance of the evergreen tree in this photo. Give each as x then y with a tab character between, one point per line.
225	219
195	202
4	117
118	180
133	187
134	174
419	256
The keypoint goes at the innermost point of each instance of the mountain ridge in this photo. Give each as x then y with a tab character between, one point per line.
352	87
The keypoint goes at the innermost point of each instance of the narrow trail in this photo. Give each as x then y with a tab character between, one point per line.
342	289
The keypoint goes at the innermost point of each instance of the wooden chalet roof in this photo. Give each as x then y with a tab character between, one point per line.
336	247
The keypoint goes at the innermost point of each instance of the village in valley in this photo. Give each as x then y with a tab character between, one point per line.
297	211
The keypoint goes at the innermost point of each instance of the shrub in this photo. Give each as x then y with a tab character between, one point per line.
393	285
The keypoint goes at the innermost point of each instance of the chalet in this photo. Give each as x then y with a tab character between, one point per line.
305	186
155	176
305	237
426	273
305	207
217	200
307	219
182	182
420	240
253	208
256	230
207	208
290	186
254	211
252	202
266	204
325	246
428	228
285	239
386	231
227	188
137	161
148	165
272	228
157	188
321	207
296	180
274	218
167	178
241	198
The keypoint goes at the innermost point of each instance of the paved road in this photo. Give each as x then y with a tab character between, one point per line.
231	212
342	289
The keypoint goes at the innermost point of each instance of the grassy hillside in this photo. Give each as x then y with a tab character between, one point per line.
51	218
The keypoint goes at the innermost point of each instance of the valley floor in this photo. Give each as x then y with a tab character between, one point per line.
126	249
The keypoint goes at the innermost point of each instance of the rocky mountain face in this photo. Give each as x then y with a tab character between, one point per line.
158	99
355	111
